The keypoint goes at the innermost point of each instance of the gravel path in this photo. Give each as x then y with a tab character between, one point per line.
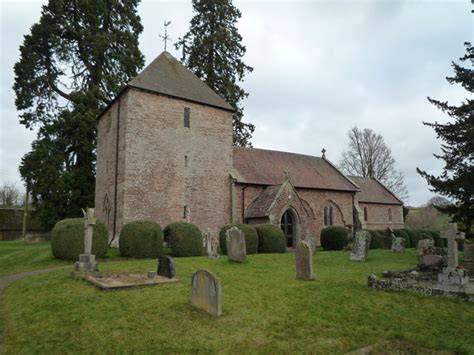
5	281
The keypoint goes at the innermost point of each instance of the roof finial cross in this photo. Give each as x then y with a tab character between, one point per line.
287	174
323	151
166	38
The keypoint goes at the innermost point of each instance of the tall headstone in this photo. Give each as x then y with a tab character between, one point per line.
360	247
420	249
452	235
235	240
166	267
398	245
87	261
206	293
304	261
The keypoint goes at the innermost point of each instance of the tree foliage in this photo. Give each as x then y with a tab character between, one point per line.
369	156
212	50
72	64
457	150
10	196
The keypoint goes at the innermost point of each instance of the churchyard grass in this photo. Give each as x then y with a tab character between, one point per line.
19	256
265	309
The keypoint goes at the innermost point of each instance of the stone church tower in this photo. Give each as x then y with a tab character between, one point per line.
164	151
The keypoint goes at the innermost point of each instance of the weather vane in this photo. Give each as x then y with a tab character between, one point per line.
166	37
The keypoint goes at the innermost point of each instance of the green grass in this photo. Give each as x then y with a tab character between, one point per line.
18	256
265	310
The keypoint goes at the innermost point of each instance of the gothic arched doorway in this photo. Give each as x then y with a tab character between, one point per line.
288	226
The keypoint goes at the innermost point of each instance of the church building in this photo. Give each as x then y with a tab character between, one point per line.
165	153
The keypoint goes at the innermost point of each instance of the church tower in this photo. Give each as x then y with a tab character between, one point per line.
164	151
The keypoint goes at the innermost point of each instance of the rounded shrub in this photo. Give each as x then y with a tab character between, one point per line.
334	238
376	239
400	233
251	237
184	239
67	239
141	239
271	239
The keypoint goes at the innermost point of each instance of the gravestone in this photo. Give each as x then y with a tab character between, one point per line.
211	243
420	249
452	278
206	293
398	245
360	247
87	261
235	240
304	261
469	257
166	267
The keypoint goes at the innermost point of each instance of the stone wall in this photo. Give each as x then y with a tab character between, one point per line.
378	216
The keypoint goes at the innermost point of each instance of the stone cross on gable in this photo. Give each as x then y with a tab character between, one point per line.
451	234
89	223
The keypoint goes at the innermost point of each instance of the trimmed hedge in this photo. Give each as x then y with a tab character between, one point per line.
334	238
184	239
400	233
251	237
376	239
438	241
271	239
67	239
141	239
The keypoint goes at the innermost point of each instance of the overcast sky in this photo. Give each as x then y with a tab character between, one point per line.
320	67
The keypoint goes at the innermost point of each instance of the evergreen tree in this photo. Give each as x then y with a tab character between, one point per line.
457	178
212	50
72	64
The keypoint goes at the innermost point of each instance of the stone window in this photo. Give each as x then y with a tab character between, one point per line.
106	211
185	161
187	117
185	212
366	215
328	216
390	214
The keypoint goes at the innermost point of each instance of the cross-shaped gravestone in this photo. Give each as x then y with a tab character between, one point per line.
88	229
452	234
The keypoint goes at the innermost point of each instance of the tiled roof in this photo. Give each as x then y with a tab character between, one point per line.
260	206
166	75
267	167
372	191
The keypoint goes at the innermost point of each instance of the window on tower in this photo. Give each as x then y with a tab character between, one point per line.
187	117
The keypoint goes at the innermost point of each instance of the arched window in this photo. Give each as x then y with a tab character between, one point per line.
366	216
328	216
390	214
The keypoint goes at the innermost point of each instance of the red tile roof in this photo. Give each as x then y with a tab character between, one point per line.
267	167
260	206
372	191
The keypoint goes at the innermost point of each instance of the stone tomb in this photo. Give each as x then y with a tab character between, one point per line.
304	261
206	293
235	240
433	279
360	247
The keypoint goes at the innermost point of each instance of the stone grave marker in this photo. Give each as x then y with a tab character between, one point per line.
206	293
451	278
420	249
398	245
360	247
87	261
166	267
235	240
469	257
304	261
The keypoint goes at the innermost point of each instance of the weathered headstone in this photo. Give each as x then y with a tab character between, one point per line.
206	293
469	257
360	247
398	245
452	235
166	267
420	249
304	261
235	240
87	261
